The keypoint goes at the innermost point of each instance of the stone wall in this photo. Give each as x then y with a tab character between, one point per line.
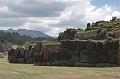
115	33
80	53
91	53
20	55
83	35
70	53
68	34
86	35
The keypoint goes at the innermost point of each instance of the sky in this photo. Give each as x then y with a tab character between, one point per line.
54	16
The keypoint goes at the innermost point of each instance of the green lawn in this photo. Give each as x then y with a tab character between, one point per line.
25	71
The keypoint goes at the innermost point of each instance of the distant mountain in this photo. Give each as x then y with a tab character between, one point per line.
26	32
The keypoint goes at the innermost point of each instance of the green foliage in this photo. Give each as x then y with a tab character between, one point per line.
13	38
80	30
18	39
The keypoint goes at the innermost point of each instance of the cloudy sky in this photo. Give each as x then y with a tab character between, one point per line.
54	16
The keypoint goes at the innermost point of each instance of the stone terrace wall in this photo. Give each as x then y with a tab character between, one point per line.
20	55
91	53
80	53
69	53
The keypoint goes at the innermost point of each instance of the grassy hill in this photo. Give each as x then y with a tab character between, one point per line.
31	33
16	38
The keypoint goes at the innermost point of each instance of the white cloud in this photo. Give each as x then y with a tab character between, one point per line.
96	14
43	27
81	12
116	13
12	22
52	16
34	8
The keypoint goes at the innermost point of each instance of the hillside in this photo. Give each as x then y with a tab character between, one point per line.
26	32
16	38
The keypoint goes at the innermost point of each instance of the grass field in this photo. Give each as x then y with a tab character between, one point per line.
25	71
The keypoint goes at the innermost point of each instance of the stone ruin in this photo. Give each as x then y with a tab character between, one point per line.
88	53
97	45
77	53
20	55
98	31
